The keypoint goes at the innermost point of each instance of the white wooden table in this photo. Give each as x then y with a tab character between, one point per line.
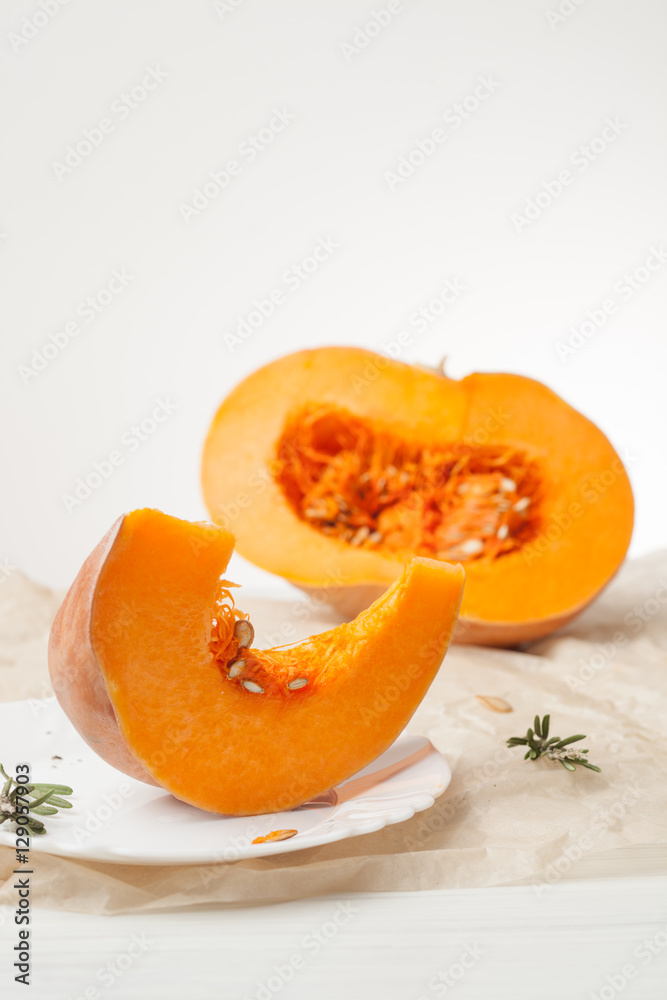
588	938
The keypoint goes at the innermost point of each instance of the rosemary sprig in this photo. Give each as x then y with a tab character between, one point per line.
540	745
43	799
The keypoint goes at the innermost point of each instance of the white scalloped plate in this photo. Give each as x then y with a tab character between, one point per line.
117	819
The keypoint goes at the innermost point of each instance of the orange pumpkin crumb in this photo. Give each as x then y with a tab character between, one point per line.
275	835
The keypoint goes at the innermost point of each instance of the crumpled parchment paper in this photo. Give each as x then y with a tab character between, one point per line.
501	821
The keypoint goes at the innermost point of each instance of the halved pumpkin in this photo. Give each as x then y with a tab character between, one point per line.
336	465
153	664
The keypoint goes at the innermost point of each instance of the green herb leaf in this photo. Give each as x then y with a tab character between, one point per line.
40	798
58	789
57	800
570	739
554	748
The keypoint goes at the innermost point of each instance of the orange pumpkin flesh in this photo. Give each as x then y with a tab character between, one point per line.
334	466
142	656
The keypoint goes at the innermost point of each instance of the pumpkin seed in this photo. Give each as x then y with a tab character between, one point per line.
244	632
507	485
361	535
522	503
298	682
251	686
503	531
480	489
472	546
494	703
236	668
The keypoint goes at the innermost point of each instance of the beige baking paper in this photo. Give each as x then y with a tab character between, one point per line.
501	821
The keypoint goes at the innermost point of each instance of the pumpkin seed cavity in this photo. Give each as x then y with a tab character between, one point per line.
361	484
256	671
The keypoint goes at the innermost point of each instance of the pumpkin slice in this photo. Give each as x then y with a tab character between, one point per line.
153	664
334	466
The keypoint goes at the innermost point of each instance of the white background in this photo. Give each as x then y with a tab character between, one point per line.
355	113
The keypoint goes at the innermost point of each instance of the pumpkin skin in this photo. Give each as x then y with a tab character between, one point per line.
131	663
581	509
